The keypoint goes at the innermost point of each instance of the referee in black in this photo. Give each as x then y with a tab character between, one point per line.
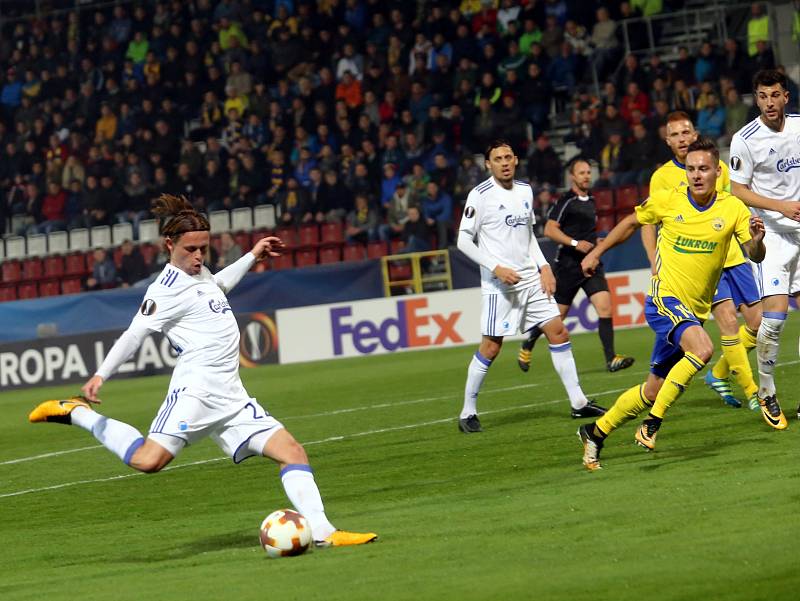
572	224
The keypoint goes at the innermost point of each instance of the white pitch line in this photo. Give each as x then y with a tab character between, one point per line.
53	454
291	417
313	442
324	414
399	403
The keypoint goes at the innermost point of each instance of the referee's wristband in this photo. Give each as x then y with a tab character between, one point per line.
573	243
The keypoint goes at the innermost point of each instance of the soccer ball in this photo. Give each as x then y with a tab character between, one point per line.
285	532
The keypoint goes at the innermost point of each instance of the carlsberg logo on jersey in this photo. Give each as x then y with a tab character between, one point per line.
219	306
412	326
785	165
515	220
693	247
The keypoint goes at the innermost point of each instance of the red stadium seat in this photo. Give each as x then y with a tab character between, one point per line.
243	240
308	234
329	254
332	233
603	200
305	257
605	223
399	270
376	249
32	270
71	286
12	272
644	192
54	267
352	252
49	288
396	247
8	293
627	198
27	291
117	257
288	236
283	262
256	235
75	264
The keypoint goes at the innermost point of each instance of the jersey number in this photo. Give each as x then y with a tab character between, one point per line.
255	413
686	313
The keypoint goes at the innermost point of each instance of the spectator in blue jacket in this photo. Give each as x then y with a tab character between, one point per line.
437	207
391	179
11	94
711	119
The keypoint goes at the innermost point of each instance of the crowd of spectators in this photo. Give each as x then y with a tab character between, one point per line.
367	112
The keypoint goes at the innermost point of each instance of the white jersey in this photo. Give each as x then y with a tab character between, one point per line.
769	163
194	314
502	221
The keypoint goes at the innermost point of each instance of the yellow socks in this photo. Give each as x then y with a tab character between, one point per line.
734	352
627	406
675	383
721	369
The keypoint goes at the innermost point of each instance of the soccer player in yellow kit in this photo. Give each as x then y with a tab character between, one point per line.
737	288
697	224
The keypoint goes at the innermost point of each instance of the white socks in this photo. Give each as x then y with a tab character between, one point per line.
564	363
767	348
118	437
476	372
298	482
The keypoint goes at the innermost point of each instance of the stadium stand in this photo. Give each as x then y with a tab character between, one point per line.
266	124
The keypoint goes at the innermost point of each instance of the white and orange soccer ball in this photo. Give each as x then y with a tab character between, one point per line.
285	532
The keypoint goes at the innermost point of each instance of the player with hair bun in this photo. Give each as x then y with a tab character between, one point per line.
206	397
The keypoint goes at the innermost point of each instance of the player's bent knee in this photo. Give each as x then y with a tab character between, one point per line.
283	448
558	335
150	458
650	390
704	352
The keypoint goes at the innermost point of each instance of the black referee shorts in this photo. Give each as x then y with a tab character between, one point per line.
570	279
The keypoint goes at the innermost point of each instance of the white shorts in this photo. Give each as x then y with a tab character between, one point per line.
779	272
506	313
187	416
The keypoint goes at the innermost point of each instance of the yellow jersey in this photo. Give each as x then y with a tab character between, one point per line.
693	242
672	174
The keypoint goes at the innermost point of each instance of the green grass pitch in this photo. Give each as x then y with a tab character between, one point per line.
506	514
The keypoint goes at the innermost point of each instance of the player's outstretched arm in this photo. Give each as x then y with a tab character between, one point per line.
787	208
621	232
269	246
124	347
755	248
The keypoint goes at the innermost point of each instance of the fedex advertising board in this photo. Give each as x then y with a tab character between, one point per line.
379	326
437	319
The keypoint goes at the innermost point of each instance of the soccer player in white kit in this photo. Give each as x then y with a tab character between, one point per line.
517	283
206	397
765	175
